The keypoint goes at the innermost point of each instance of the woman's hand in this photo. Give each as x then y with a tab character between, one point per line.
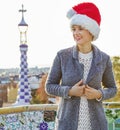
92	93
78	89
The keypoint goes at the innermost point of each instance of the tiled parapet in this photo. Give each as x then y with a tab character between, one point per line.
42	117
112	110
29	117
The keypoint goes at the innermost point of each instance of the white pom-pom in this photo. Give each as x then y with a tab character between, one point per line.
70	13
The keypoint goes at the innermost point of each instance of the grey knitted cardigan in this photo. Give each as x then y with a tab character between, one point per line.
67	71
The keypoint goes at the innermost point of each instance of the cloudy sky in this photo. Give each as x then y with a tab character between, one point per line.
49	30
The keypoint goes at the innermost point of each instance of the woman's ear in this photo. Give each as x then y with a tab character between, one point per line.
92	36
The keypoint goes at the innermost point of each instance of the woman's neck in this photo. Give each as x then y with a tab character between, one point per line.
85	49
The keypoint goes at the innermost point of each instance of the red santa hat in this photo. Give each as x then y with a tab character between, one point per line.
87	15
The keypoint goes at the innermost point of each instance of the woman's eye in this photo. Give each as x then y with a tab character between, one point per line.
73	29
77	29
81	28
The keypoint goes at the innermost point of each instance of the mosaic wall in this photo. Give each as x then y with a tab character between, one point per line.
34	120
113	117
42	117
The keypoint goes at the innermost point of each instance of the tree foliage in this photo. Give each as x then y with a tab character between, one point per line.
116	68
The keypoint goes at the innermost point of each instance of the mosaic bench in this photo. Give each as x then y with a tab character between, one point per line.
42	117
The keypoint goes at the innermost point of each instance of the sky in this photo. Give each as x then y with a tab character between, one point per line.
49	30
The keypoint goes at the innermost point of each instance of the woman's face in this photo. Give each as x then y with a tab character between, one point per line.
81	35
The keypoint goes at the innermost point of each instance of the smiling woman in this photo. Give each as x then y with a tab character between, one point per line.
77	72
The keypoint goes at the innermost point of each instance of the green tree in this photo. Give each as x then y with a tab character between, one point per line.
116	68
